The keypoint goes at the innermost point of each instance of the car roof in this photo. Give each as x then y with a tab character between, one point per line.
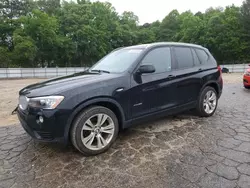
165	43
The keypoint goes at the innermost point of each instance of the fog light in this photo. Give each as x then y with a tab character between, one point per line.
40	119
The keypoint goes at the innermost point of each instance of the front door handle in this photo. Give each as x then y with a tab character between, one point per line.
151	88
119	89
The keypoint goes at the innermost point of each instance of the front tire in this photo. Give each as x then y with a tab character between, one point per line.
247	87
94	130
207	102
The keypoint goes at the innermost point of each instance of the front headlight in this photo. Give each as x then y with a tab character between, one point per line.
247	73
23	102
48	102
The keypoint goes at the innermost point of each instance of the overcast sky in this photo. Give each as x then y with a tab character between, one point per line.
152	10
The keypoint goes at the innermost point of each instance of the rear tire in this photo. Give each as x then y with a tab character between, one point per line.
94	130
247	87
207	102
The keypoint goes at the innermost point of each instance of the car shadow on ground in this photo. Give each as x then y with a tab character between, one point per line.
171	127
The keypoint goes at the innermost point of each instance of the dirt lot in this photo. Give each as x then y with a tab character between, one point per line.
9	95
9	98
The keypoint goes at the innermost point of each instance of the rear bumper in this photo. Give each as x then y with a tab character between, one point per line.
51	130
220	88
219	94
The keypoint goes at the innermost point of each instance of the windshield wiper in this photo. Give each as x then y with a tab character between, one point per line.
100	71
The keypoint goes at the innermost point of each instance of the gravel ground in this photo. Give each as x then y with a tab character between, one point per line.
183	151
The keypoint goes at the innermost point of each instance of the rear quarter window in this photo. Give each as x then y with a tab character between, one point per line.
202	55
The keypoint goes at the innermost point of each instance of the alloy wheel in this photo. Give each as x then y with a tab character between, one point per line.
210	102
97	131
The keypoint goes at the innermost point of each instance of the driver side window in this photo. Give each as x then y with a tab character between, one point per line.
160	58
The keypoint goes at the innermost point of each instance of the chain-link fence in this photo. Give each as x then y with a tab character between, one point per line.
38	72
236	68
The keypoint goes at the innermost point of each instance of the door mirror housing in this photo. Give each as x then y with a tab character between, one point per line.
144	69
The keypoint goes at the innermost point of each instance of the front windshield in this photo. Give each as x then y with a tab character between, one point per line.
117	61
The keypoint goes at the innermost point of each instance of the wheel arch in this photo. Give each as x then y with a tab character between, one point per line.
212	84
107	102
215	86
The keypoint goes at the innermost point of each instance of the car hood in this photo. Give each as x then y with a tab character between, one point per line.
64	83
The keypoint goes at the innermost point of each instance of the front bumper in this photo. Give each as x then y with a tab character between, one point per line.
51	130
246	80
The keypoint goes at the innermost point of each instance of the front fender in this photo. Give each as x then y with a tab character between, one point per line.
85	104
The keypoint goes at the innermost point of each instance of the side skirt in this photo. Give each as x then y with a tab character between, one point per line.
159	114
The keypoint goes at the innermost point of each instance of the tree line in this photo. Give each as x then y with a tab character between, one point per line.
38	33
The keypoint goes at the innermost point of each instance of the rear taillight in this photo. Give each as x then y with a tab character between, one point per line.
220	79
219	68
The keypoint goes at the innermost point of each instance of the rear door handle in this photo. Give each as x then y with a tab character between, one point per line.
200	69
171	76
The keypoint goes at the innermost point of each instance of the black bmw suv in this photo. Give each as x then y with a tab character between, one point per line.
128	85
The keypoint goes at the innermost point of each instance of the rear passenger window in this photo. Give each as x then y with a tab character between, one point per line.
184	57
202	55
160	58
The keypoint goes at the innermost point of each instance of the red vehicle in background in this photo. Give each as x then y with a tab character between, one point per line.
246	78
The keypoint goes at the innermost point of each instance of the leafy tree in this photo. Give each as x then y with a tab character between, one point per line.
245	10
224	35
170	26
4	57
25	51
6	31
13	9
130	19
49	6
245	21
78	33
43	30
